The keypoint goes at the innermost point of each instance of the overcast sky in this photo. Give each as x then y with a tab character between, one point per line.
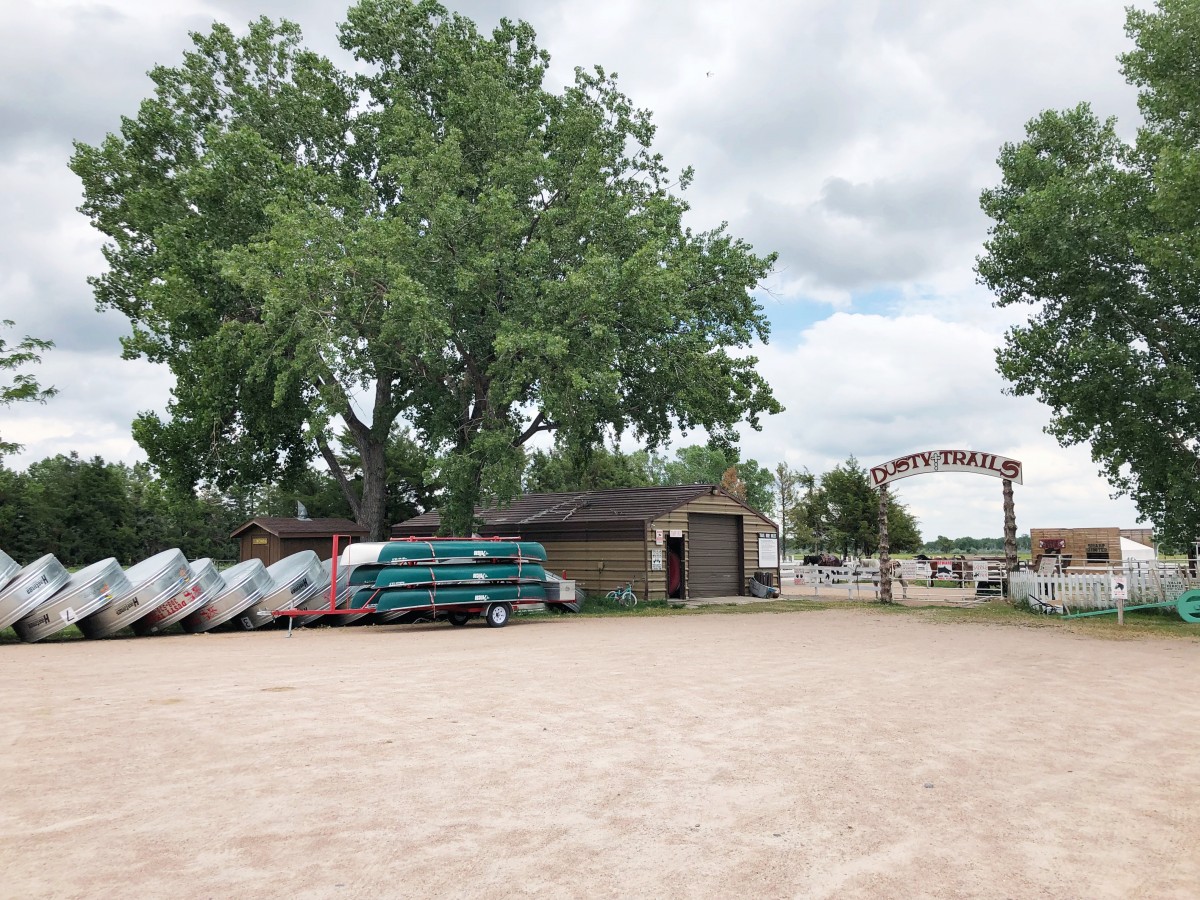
851	136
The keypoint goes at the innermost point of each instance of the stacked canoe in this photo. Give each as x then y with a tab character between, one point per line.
394	580
410	579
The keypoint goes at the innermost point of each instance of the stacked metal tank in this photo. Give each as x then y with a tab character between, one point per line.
42	599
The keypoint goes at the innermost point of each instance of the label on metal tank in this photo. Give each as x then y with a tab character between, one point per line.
126	607
37	585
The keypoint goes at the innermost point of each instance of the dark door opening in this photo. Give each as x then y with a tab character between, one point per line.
675	568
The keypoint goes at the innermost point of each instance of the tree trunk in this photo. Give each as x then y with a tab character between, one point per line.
373	514
885	559
1010	530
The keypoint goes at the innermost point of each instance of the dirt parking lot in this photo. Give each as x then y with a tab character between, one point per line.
842	753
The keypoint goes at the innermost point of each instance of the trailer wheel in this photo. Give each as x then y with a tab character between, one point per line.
497	615
458	619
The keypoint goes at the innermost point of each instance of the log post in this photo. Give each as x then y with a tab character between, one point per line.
1010	532
885	559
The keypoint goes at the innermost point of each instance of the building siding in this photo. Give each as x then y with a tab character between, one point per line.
599	566
677	520
1078	540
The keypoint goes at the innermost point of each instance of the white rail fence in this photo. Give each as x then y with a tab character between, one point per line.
1095	589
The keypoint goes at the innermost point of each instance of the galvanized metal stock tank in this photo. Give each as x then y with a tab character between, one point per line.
320	600
9	567
155	581
204	589
245	584
32	586
295	579
88	591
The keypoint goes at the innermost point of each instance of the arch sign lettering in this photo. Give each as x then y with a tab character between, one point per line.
931	461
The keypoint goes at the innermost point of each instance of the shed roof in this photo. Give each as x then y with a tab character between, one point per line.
578	508
281	526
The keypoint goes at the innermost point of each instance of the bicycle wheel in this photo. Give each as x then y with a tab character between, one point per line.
628	598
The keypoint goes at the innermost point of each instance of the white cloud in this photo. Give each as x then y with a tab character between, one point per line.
880	387
853	136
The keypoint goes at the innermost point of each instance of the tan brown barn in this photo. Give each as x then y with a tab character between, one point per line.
271	538
670	542
1086	546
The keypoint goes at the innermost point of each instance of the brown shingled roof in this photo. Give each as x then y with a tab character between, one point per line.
574	508
281	526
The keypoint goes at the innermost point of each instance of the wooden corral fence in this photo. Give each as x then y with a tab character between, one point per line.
1094	588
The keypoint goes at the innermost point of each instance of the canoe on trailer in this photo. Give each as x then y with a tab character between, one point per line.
430	598
494	602
400	576
464	551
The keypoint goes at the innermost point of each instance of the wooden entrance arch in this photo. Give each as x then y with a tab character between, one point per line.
934	461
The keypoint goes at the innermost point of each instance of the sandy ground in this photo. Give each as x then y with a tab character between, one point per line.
814	754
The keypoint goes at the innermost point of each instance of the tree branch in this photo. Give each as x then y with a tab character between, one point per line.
539	423
339	475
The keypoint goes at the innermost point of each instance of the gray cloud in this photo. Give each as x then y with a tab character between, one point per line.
851	135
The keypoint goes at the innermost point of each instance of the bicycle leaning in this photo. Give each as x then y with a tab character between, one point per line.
624	595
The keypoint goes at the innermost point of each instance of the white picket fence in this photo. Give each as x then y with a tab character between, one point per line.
1094	589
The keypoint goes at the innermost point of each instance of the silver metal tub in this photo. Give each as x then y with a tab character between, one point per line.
89	590
33	586
320	600
155	581
245	585
294	579
207	585
9	568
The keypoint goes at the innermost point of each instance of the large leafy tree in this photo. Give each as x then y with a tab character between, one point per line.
439	239
23	387
1101	239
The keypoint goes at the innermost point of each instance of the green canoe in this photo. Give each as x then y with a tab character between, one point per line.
464	551
419	598
407	576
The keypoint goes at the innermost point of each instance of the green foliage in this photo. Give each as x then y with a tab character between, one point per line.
710	464
83	511
481	257
840	512
968	545
1101	239
565	468
24	387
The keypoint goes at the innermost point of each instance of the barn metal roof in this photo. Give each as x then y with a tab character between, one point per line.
576	508
281	526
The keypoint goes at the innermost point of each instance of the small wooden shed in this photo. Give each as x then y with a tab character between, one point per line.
271	538
677	542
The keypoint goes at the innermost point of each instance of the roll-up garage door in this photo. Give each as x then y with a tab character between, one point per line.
714	555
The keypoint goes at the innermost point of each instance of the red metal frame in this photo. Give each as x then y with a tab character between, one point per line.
367	607
332	610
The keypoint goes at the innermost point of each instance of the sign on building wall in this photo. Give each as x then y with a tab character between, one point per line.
656	560
768	551
930	461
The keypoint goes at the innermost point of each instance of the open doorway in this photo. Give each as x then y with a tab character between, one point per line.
676	588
